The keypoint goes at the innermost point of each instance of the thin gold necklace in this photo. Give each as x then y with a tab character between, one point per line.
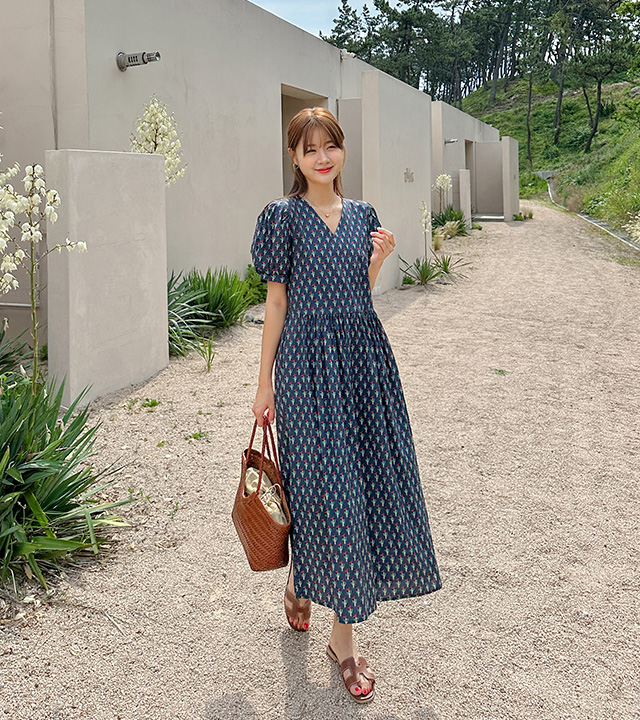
326	214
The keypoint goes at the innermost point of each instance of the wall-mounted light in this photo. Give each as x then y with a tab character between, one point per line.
450	140
346	54
125	60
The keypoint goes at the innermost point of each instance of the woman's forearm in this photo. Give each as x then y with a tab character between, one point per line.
374	269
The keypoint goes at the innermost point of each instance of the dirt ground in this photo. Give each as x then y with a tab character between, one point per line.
522	384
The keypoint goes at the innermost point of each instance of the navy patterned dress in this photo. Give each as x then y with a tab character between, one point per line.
359	526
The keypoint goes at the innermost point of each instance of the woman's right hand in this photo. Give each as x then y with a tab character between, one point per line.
264	402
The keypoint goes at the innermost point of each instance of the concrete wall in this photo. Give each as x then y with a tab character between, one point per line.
222	70
510	177
488	167
233	75
396	164
108	306
450	124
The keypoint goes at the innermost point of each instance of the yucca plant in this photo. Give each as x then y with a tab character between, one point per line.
13	353
422	270
187	320
449	214
224	302
450	268
48	503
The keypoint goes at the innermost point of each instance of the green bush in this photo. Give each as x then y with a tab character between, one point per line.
48	506
448	267
421	271
256	291
223	301
449	214
185	317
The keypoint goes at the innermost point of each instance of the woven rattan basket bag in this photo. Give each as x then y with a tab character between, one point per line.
265	541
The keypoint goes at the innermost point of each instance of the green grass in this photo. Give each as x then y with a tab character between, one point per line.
605	182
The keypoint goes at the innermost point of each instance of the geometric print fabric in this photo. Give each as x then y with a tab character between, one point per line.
359	524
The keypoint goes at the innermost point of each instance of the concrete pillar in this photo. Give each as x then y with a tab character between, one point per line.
464	180
510	177
107	309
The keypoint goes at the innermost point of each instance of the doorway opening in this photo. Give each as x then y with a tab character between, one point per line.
294	100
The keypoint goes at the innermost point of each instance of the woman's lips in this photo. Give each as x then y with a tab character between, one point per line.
324	171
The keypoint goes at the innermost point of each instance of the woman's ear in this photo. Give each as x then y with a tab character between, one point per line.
292	155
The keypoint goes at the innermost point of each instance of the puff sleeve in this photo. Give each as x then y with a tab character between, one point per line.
271	246
372	223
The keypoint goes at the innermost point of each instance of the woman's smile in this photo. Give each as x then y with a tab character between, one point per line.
324	170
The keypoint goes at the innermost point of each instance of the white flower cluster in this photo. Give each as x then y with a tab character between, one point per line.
633	228
158	134
35	205
443	183
425	217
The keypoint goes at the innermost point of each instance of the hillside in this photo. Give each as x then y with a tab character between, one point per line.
604	182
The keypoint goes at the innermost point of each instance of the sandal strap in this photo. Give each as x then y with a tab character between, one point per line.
295	606
355	669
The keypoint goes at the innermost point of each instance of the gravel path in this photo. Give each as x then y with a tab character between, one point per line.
522	386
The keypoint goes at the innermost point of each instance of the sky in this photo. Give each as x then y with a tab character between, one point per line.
310	15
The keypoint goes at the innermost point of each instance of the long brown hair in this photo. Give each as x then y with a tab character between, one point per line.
301	126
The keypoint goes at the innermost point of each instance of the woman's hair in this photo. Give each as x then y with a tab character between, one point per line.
301	126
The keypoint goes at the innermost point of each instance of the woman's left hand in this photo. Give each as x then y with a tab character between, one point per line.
383	245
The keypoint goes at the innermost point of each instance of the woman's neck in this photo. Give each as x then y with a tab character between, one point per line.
322	196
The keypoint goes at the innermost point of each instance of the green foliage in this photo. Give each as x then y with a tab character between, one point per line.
185	317
223	300
449	214
531	185
256	291
421	271
205	349
198	435
449	269
13	353
50	502
151	403
629	113
604	183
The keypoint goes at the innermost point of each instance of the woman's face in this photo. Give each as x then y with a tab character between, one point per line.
321	160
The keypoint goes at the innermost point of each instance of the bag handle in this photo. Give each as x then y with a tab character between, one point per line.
270	449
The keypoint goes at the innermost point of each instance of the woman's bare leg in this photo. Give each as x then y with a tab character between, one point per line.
341	642
297	620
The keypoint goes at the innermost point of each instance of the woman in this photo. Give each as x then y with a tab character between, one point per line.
359	526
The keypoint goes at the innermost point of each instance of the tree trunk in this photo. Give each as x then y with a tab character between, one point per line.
529	118
496	68
586	97
594	128
558	116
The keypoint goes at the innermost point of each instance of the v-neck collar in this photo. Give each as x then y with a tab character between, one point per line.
315	212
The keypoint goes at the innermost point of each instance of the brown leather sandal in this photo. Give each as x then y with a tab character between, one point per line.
293	607
352	672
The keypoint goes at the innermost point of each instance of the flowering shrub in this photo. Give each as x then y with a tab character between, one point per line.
48	503
36	205
158	134
443	185
425	220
